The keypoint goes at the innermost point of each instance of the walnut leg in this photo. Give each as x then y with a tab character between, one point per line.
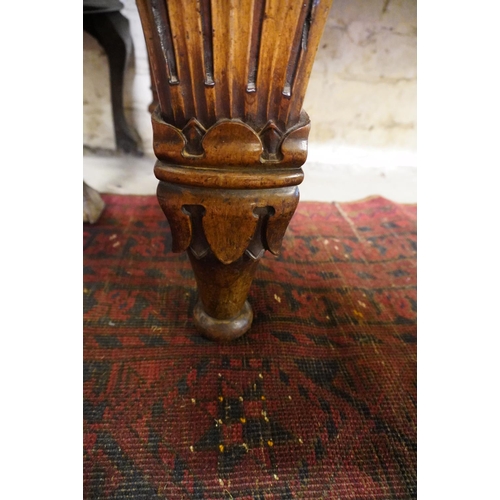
226	232
230	136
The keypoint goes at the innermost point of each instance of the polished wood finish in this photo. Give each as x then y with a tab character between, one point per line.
230	136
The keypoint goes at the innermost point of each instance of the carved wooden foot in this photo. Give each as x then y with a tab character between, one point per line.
230	136
226	232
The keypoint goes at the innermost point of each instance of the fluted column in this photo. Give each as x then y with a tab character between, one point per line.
230	136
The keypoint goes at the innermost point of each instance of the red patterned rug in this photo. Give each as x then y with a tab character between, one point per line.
317	401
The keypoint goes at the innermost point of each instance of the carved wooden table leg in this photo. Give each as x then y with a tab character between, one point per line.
230	136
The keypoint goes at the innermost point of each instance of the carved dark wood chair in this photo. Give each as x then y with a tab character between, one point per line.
230	136
102	19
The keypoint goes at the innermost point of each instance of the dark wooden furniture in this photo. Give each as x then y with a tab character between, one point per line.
102	19
230	136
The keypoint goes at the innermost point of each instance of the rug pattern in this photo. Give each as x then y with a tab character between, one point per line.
317	401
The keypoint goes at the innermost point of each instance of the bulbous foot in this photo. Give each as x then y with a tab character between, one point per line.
223	329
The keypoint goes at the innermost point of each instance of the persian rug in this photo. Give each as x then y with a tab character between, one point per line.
317	401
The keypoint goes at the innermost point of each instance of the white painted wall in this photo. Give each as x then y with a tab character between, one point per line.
361	99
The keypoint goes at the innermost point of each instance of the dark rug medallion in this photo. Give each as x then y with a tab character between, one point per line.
317	401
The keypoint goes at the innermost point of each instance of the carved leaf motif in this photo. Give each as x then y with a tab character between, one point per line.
199	244
168	140
231	142
229	230
271	137
257	246
294	145
227	222
194	132
284	206
170	199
